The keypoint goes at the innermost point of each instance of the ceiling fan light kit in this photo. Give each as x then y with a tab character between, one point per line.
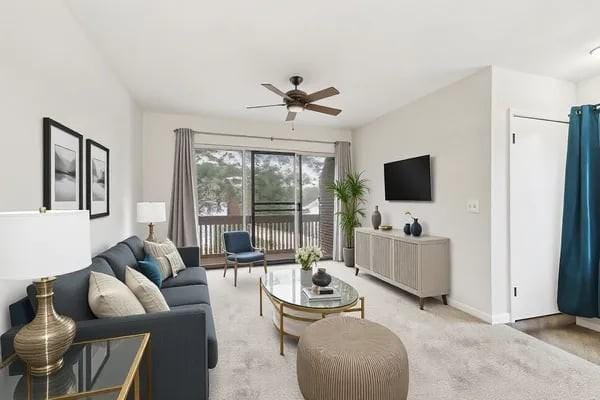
296	100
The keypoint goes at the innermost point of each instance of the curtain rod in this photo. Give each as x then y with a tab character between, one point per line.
540	119
239	147
271	138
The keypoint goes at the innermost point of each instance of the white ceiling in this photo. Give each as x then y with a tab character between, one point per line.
209	57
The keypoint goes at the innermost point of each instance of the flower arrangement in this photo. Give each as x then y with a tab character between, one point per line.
306	256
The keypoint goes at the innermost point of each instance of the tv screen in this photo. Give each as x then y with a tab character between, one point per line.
408	179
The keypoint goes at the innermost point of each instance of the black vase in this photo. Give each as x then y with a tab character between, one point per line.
321	278
407	229
416	228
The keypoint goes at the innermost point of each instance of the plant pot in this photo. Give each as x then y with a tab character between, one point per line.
321	278
348	255
306	277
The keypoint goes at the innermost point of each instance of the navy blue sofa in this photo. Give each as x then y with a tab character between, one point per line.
183	340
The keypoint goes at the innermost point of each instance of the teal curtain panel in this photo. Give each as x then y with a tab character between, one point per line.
578	286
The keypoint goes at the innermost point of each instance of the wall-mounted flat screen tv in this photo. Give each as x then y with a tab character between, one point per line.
408	179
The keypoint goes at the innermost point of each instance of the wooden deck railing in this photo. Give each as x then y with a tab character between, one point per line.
275	233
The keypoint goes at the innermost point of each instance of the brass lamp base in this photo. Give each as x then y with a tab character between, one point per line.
43	342
151	237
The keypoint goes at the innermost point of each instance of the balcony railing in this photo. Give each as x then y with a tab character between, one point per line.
275	233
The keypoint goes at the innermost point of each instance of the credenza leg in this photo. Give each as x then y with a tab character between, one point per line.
421	302
444	299
355	271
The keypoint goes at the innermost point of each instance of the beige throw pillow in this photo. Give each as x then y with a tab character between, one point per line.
176	262
168	257
146	292
109	297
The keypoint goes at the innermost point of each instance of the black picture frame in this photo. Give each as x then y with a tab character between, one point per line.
49	197
90	183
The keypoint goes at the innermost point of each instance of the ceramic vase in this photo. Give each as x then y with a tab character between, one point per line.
407	229
416	229
376	218
321	278
306	277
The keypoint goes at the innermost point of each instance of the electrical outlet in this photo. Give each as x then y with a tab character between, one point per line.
473	206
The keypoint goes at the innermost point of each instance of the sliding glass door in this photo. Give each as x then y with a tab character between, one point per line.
274	217
280	198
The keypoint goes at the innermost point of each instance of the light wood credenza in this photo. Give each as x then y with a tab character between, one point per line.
419	265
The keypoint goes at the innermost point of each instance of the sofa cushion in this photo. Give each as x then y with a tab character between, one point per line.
189	276
211	333
119	257
247	256
182	295
71	291
136	245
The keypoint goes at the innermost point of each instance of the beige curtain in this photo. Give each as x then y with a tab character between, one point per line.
183	219
343	165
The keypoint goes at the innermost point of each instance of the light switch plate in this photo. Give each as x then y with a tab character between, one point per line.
473	206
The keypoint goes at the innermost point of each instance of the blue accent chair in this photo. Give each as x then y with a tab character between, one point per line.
239	250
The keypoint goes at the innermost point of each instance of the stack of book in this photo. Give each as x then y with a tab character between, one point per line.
321	294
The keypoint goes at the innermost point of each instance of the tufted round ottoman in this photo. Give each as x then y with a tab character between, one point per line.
345	358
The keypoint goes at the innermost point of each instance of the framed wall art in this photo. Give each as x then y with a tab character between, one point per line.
63	167
98	179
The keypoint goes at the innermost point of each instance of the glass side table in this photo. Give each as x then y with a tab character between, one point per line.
104	369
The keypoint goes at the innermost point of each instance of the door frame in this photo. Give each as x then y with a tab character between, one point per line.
512	114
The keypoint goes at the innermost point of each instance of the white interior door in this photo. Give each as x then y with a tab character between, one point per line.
537	170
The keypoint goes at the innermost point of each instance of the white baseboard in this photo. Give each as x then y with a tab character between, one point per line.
470	310
590	323
503	318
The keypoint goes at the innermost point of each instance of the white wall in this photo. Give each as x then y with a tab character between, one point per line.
49	68
530	94
588	92
453	126
159	144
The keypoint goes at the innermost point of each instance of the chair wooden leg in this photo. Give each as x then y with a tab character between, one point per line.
235	267
250	267
225	269
265	264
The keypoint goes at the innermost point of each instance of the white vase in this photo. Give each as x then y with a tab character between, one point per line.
306	277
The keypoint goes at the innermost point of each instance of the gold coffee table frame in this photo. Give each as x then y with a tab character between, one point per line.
281	305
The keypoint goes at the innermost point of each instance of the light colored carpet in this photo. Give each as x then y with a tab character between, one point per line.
451	354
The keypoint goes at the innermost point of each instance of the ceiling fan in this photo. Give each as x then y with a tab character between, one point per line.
297	101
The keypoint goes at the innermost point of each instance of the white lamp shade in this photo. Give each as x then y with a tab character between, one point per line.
36	245
150	212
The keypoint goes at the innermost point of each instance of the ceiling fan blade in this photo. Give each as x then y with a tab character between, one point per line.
269	105
291	116
322	94
276	91
322	109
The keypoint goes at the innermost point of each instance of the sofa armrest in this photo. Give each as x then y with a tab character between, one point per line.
178	344
190	256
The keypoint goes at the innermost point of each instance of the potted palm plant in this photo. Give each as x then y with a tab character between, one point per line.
351	192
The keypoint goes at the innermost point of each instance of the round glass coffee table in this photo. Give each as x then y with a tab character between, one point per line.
292	309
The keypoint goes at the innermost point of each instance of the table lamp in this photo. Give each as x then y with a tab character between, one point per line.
150	212
39	245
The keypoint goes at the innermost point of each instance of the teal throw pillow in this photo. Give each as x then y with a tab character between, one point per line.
151	270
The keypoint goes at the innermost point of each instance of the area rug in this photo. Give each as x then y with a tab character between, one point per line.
451	355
